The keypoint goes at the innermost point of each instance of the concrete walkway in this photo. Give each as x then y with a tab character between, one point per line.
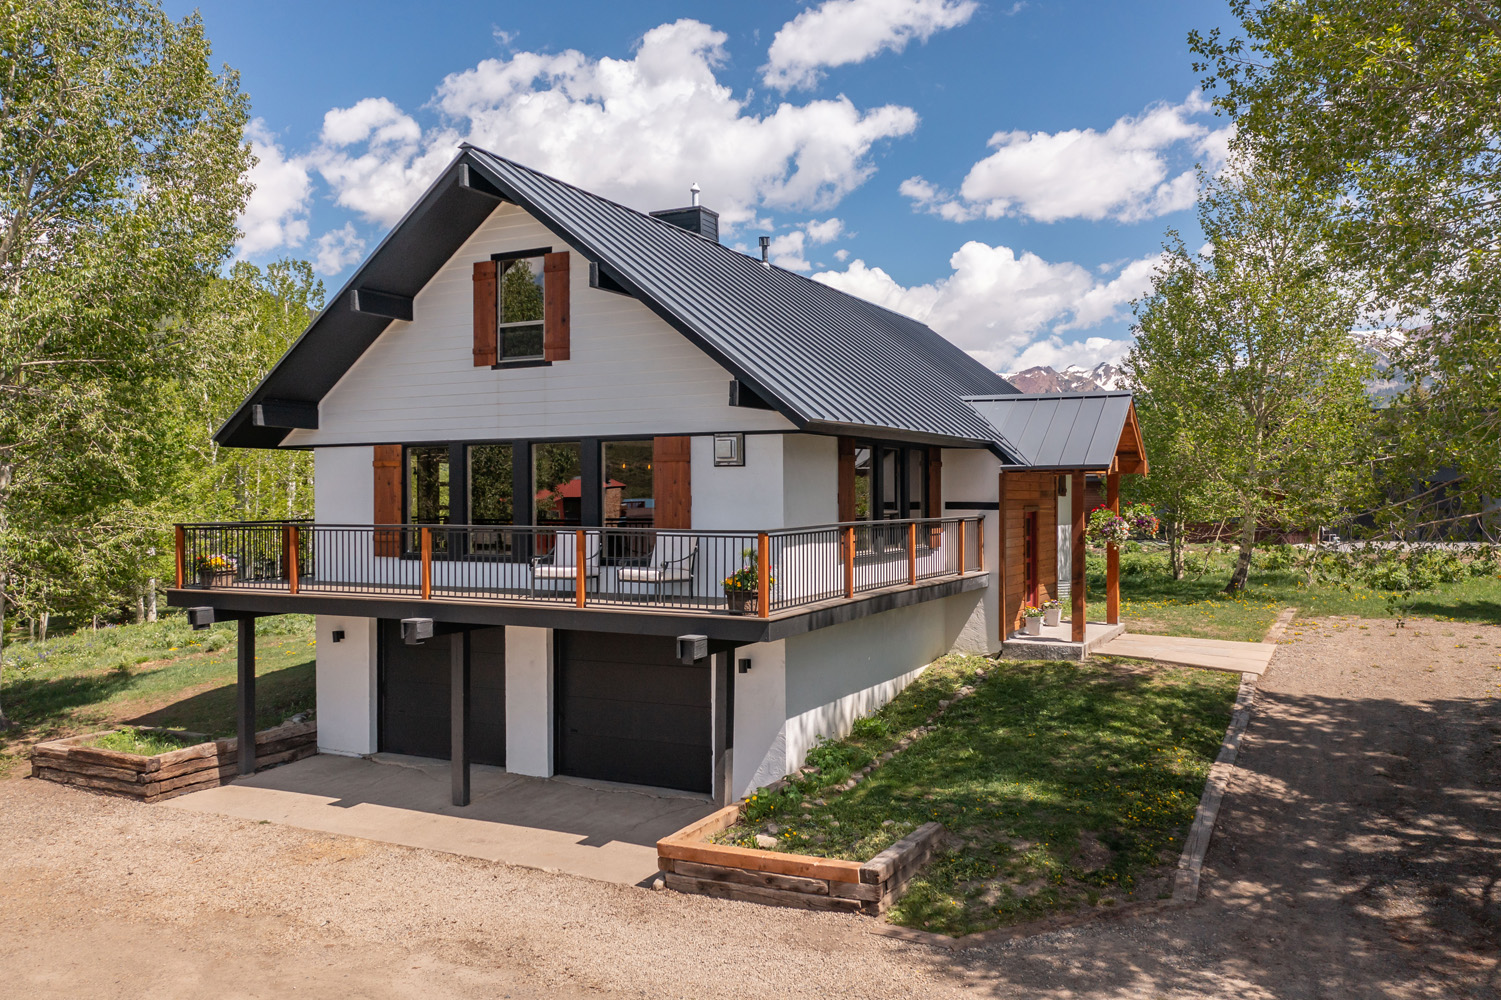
593	829
1181	651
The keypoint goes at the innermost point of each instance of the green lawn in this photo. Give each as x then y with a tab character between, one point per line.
1062	785
162	674
1152	601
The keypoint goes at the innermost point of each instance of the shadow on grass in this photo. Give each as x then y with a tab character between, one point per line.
1484	612
278	694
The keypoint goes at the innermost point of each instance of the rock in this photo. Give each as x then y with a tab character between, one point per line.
850	784
772	828
766	843
820	802
943	704
833	822
658	884
819	838
888	822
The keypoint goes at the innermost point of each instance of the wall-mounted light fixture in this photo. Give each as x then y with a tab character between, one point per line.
338	635
744	665
729	449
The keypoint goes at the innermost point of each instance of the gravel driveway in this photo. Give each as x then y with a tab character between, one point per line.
1358	855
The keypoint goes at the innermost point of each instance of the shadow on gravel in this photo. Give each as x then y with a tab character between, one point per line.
1358	854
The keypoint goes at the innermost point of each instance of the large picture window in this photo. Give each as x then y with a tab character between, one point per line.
557	478
427	485
518	328
491	480
628	500
891	481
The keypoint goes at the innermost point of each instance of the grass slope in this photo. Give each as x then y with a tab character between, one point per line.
1062	785
161	674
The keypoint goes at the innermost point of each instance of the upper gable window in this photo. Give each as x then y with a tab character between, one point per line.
519	317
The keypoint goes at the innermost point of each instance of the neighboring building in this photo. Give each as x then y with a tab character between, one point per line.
555	430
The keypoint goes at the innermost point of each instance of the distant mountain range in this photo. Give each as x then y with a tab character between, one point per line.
1072	379
1384	384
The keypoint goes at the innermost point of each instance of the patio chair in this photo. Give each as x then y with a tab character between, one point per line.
562	563
672	560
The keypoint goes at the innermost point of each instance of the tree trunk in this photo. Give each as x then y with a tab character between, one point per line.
4	722
140	606
46	616
151	600
1243	560
1175	528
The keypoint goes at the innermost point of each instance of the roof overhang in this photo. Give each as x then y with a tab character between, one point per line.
1066	432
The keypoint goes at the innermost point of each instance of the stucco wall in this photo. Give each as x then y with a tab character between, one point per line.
346	685
343	485
529	701
971	475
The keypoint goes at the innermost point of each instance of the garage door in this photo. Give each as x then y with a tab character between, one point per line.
629	711
414	687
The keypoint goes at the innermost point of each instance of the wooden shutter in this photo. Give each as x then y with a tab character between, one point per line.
484	314
555	307
935	493
846	479
672	486
388	491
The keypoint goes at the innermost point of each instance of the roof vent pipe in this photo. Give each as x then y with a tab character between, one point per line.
766	251
694	190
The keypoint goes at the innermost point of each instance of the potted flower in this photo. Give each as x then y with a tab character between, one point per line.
1106	527
1143	519
1033	617
742	586
1052	612
217	570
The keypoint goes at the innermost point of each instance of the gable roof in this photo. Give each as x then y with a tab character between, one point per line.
1072	430
827	360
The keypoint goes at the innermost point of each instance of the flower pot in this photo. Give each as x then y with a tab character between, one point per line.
1034	626
1052	616
216	578
742	602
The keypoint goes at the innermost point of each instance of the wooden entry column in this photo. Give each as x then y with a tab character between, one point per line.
1081	525
1113	553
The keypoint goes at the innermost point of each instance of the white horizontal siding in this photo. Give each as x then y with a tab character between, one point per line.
630	372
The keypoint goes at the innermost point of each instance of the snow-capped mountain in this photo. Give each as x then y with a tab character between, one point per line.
1072	379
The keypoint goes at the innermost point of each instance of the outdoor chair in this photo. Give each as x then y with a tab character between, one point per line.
561	564
672	560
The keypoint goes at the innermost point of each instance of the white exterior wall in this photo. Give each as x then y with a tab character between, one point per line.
343	485
973	474
529	701
788	481
629	373
345	679
810	480
759	756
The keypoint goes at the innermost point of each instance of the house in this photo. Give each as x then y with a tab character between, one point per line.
599	496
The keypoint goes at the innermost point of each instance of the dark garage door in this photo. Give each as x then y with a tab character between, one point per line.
414	695
629	711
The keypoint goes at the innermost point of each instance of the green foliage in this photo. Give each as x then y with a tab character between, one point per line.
1247	359
1390	111
870	727
144	742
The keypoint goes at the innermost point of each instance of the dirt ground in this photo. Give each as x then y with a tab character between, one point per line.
1358	854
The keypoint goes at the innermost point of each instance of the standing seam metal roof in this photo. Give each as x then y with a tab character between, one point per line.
1058	430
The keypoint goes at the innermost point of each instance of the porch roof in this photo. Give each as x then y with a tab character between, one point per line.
1093	431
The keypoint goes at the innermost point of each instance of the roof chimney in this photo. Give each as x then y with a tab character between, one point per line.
695	218
766	251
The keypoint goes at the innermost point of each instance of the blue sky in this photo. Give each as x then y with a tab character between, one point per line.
1003	171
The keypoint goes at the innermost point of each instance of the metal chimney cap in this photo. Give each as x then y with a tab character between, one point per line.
694	190
766	250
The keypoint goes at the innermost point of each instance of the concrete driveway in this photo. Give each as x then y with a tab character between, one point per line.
594	829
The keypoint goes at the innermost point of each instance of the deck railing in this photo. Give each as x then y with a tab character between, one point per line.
714	572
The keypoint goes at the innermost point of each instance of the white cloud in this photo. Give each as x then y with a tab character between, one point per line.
276	214
838	32
337	249
1003	308
1139	168
826	231
789	249
638	130
841	255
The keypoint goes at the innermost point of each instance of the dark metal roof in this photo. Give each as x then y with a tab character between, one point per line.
1075	430
827	360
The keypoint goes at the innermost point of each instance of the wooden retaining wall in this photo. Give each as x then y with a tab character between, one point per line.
177	772
798	880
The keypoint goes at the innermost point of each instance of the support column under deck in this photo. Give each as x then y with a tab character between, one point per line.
1081	525
1113	554
459	659
245	695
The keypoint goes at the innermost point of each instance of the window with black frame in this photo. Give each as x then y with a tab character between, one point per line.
491	485
428	496
629	500
895	477
519	309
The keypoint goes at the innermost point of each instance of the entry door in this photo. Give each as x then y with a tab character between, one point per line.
629	711
414	695
1030	544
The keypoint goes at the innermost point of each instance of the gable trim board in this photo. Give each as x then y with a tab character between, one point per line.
825	360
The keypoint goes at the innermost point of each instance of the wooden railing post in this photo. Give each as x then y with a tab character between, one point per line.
912	553
849	562
962	540
763	575
182	544
580	581
289	533
427	563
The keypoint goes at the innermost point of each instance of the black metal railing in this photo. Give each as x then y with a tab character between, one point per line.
717	572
